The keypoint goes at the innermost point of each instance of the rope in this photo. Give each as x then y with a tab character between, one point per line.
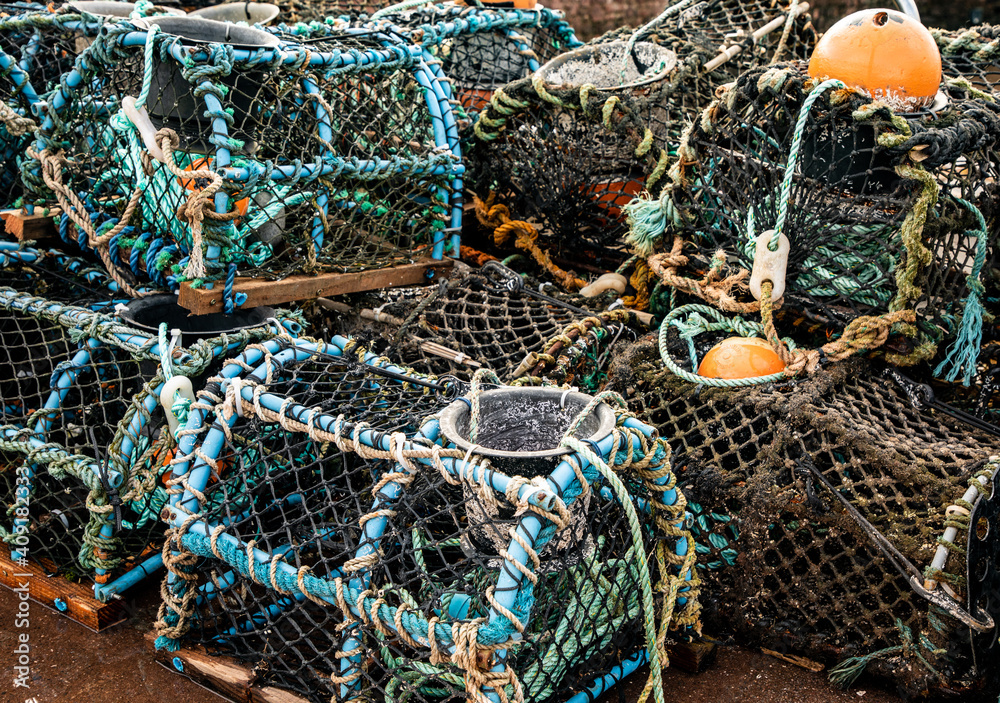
864	333
14	123
964	351
74	208
472	639
199	205
785	194
848	671
524	236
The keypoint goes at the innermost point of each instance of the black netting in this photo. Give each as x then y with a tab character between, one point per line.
38	46
969	53
57	276
789	565
469	322
571	158
81	415
482	49
434	558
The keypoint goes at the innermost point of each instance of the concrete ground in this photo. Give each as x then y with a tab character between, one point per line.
70	664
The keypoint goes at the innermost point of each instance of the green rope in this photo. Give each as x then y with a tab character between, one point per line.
147	65
695	324
848	671
635	529
785	194
964	351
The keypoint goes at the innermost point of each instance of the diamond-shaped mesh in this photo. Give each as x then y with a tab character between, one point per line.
868	231
294	532
327	164
81	418
571	157
788	564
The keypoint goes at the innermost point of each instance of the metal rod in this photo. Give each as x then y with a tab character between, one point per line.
732	51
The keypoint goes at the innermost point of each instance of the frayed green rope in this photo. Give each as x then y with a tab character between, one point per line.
964	351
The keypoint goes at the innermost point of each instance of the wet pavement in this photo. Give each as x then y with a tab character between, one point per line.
70	664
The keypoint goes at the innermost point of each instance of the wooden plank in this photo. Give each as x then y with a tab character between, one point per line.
201	301
224	675
80	604
39	228
692	657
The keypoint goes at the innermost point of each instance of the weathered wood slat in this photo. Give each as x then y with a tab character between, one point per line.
38	227
201	301
78	599
223	674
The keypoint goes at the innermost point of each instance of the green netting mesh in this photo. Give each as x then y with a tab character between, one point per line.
82	420
327	163
884	211
338	572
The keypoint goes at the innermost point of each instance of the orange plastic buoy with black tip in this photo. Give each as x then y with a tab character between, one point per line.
192	183
884	53
740	357
505	4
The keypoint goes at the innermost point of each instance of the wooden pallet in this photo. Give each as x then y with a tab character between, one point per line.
41	229
235	680
202	301
74	600
224	675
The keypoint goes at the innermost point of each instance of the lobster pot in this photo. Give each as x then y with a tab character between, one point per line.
84	424
559	152
836	519
884	211
484	319
330	156
423	548
481	48
37	48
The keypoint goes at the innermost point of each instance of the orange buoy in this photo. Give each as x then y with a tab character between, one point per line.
505	4
192	183
740	357
884	53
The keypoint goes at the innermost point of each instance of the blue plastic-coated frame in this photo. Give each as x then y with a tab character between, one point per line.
209	442
443	163
117	338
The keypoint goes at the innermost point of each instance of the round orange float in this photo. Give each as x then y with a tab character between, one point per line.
740	357
888	55
506	4
192	183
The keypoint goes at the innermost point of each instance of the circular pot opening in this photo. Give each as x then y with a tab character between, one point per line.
147	314
108	8
198	30
249	12
173	102
520	428
601	65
